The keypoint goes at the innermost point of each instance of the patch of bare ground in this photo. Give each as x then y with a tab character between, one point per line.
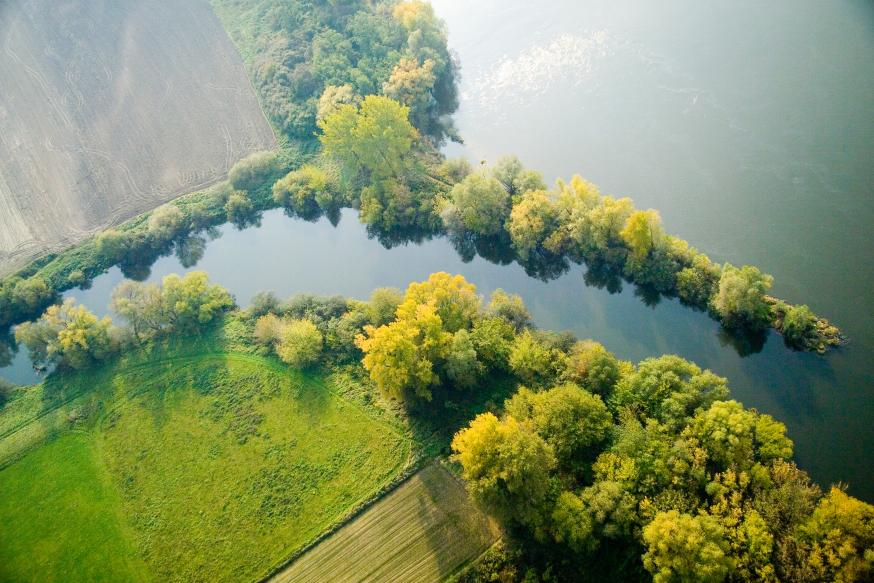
424	530
109	108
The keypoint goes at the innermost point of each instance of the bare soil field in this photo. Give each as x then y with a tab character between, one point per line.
109	108
424	531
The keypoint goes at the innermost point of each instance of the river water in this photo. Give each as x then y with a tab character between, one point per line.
750	127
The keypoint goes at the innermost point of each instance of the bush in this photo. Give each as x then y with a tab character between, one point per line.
300	344
255	170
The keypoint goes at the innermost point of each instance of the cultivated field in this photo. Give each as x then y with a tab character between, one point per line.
182	463
423	531
108	109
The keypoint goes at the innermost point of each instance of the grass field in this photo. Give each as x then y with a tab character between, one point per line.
183	463
110	109
423	531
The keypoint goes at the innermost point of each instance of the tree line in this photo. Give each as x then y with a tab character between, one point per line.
593	465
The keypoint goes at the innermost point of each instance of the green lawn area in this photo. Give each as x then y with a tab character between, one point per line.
183	463
62	518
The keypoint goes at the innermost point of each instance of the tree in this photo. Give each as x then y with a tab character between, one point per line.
23	298
740	300
506	467
534	361
268	329
383	305
593	367
681	547
400	356
376	138
300	343
239	209
454	299
256	171
572	524
113	245
509	307
67	334
333	97
140	305
191	301
478	204
669	389
492	338
799	325
306	189
838	538
516	180
568	418
643	233
462	366
411	84
532	220
737	438
166	222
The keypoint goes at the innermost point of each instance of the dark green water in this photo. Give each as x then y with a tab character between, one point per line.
749	127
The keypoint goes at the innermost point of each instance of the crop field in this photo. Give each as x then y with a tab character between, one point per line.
424	530
109	109
180	464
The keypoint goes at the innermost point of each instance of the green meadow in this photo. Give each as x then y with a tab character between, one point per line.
185	461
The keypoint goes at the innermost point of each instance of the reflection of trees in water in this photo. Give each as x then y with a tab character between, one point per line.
8	347
744	342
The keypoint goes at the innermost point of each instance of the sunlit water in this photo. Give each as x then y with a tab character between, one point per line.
748	126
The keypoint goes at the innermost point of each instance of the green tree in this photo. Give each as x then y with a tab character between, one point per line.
67	334
509	307
507	469
239	208
190	302
737	438
570	419
300	343
113	245
681	547
838	539
478	204
166	222
740	300
383	305
593	367
307	189
462	366
376	138
256	171
798	326
492	338
534	361
510	172
669	389
140	305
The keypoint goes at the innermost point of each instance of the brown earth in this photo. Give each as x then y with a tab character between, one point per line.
424	531
109	108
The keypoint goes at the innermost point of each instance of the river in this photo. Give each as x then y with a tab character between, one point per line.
749	126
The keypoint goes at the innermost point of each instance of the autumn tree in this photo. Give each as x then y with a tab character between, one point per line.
681	547
532	220
69	334
507	469
593	367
